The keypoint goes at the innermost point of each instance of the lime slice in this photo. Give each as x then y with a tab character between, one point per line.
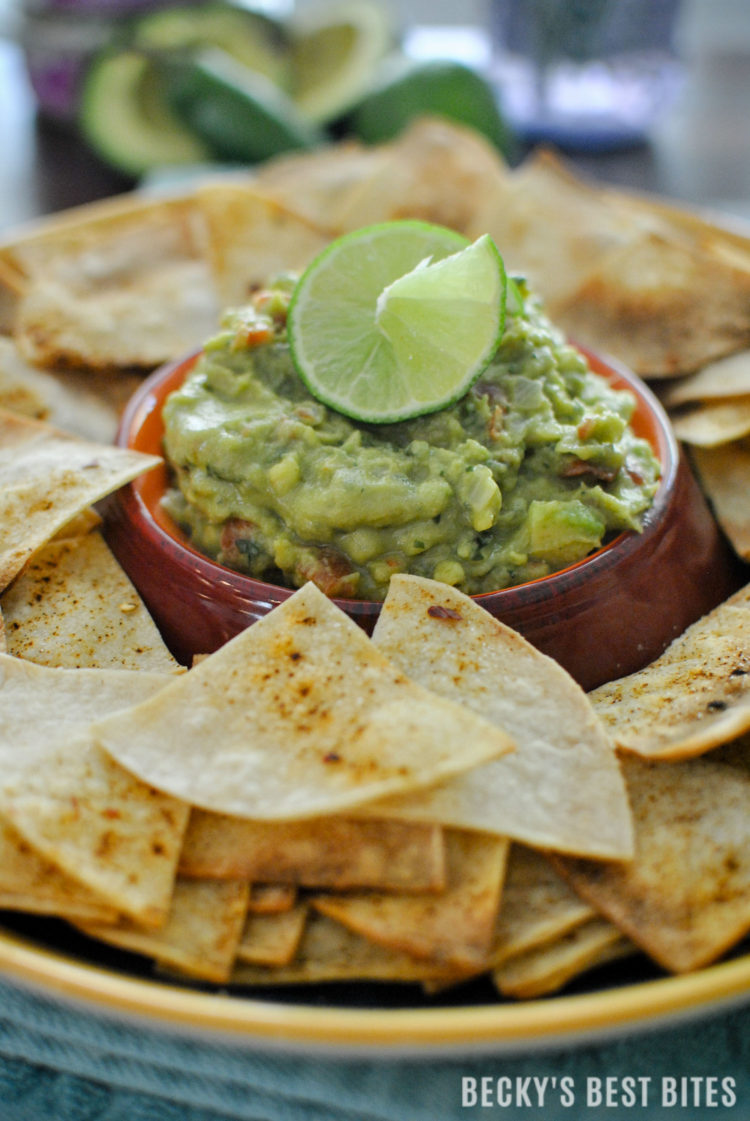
397	320
337	47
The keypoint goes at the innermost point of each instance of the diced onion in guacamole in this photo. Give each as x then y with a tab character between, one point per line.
528	473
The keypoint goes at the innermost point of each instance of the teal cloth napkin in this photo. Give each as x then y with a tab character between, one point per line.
59	1062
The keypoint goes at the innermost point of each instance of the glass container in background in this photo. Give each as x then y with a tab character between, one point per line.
587	75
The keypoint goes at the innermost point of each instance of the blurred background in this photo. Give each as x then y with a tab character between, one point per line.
100	96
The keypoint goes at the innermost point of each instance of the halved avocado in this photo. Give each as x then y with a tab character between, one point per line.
126	120
251	38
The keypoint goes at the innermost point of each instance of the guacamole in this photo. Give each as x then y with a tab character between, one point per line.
535	467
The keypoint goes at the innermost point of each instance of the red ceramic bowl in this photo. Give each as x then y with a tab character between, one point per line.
603	617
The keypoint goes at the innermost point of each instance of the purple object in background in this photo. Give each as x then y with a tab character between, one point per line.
60	36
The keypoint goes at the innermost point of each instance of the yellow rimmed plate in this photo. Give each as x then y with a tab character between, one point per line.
323	1025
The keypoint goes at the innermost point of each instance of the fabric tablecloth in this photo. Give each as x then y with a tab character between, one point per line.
59	1062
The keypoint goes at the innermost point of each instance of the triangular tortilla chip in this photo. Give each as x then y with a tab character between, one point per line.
553	227
329	951
47	477
435	170
724	474
252	238
685	897
562	788
74	606
712	423
331	175
537	906
200	936
727	377
270	899
661	304
694	697
273	939
550	967
306	717
120	288
29	883
73	805
455	927
317	852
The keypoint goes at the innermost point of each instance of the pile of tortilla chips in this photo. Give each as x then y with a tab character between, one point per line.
308	804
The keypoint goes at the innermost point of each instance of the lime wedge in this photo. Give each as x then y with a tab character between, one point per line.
397	320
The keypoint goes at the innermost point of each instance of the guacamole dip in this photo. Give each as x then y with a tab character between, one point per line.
530	471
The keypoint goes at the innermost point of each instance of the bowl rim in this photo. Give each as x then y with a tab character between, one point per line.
148	400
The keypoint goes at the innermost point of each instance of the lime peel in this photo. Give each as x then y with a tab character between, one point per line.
419	315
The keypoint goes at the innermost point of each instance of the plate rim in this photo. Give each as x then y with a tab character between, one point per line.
556	1021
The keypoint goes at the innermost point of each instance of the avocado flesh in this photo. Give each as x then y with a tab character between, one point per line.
127	121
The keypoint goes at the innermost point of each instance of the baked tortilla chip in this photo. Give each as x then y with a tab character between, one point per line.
685	897
662	304
46	478
331	176
86	403
454	927
329	952
562	788
435	170
273	939
728	377
306	718
724	474
553	227
74	606
537	907
76	808
550	967
694	697
709	424
270	899
125	287
252	238
29	883
317	852
200	936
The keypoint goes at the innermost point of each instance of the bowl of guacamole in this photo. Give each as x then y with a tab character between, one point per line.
545	491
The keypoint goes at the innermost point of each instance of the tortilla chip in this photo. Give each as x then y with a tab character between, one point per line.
252	238
728	377
98	824
724	474
129	288
85	403
538	906
694	697
709	424
79	525
435	170
330	952
273	939
317	852
331	176
269	899
550	967
29	883
685	897
562	788
454	927
307	718
661	304
200	936
76	808
74	606
46	478
552	226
